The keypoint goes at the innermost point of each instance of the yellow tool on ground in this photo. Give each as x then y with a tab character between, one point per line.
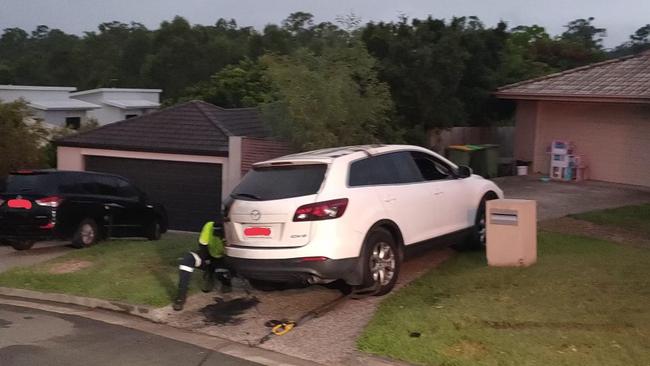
283	328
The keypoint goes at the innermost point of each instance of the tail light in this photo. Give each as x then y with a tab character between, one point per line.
20	203
321	210
1	201
51	201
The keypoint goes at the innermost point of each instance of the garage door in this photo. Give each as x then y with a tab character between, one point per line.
191	192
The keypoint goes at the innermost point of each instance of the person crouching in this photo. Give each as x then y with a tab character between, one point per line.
210	259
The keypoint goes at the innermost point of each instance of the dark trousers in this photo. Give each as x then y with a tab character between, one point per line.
207	264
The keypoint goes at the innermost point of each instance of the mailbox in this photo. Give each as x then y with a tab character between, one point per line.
511	232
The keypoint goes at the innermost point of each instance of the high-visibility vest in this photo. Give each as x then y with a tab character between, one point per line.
214	244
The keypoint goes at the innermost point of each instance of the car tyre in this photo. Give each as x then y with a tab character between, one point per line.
381	261
86	234
22	244
154	230
477	239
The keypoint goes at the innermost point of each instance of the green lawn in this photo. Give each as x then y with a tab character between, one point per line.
135	271
586	302
633	218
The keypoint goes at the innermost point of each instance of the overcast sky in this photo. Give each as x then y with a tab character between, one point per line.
621	17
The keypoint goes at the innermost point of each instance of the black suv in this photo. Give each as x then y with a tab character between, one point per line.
81	206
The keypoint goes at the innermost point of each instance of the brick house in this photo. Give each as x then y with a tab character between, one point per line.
187	157
604	108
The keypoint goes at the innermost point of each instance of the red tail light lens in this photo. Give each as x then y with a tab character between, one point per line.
51	201
321	210
20	203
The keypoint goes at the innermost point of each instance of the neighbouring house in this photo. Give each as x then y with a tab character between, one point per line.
119	103
65	107
188	157
604	108
50	104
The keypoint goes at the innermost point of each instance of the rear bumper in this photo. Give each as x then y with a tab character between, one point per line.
296	270
11	232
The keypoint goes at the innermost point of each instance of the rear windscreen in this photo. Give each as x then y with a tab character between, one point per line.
273	183
31	184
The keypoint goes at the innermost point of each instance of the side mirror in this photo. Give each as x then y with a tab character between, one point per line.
464	171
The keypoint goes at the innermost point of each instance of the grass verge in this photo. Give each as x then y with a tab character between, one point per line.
584	303
632	218
135	271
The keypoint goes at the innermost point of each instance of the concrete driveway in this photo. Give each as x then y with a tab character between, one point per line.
557	199
40	252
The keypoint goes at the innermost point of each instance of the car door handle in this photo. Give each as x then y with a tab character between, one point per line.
389	200
437	193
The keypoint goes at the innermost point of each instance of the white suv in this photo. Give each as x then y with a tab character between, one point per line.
349	213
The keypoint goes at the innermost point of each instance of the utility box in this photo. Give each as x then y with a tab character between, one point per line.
511	232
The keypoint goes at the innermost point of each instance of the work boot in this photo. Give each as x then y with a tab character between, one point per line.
208	281
179	303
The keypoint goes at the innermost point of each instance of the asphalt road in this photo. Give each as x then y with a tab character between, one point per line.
35	337
40	252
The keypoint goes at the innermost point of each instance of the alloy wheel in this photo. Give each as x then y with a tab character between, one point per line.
87	234
382	263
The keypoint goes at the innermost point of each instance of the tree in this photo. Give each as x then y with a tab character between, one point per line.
584	33
519	60
426	65
642	35
330	99
639	42
20	142
49	136
245	84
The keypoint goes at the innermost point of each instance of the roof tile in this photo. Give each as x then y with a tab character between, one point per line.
625	77
194	127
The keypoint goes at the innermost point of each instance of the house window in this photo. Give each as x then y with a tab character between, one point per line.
73	122
131	116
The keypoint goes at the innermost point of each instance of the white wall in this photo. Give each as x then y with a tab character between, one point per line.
106	114
57	118
613	138
10	95
109	114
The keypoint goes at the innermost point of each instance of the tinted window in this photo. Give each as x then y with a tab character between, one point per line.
98	185
106	186
430	167
31	183
70	183
272	183
393	168
126	190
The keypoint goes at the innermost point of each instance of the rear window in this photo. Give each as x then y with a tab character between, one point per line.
31	183
278	182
